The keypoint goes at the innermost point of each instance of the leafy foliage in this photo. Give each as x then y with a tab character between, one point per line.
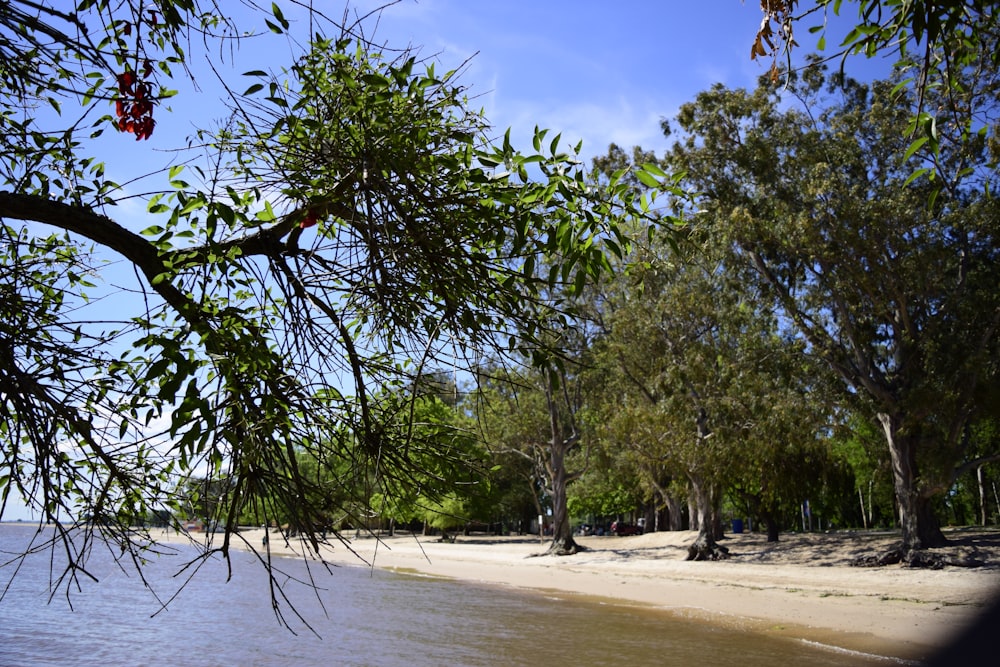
946	50
352	222
891	294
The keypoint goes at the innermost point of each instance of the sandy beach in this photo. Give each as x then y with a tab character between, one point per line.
802	586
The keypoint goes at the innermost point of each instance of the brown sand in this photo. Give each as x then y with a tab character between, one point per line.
802	586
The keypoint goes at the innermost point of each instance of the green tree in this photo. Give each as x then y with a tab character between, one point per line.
897	297
946	51
684	320
861	445
450	484
351	219
781	404
534	415
612	485
705	389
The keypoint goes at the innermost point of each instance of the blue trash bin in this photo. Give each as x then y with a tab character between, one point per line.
737	526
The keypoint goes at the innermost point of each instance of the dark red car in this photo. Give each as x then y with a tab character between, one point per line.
621	529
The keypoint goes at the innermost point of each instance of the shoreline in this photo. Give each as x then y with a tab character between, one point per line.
801	587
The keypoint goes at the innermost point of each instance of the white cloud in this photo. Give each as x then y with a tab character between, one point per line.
626	121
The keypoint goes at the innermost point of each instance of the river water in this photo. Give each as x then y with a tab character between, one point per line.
358	618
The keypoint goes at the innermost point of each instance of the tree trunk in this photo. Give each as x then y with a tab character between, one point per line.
996	497
871	507
675	517
920	529
693	514
563	543
864	517
982	496
704	547
772	526
560	446
718	526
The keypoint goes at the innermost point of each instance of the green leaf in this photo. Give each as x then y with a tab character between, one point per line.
646	179
267	215
488	161
654	170
279	16
901	85
915	175
914	147
226	213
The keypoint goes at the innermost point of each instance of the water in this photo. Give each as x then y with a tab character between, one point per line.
362	618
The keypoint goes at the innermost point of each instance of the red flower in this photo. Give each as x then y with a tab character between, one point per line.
125	82
144	128
309	219
133	107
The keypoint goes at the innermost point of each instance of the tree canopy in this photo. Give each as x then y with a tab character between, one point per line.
895	296
351	221
252	336
945	51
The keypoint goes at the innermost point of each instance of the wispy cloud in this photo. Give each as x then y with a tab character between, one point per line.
621	121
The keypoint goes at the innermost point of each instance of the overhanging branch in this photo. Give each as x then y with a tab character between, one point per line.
105	232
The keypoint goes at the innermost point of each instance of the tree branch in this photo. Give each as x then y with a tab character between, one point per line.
105	232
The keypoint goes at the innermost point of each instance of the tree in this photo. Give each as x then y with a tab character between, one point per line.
896	296
704	389
696	349
351	220
861	445
451	482
781	406
611	486
563	404
940	46
535	415
663	347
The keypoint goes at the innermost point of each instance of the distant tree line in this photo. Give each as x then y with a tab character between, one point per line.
813	345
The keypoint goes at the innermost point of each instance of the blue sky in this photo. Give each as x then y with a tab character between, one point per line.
592	71
595	71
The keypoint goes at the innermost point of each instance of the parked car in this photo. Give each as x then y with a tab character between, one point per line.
621	529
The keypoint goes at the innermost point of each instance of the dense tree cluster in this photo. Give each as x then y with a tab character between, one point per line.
353	304
351	226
